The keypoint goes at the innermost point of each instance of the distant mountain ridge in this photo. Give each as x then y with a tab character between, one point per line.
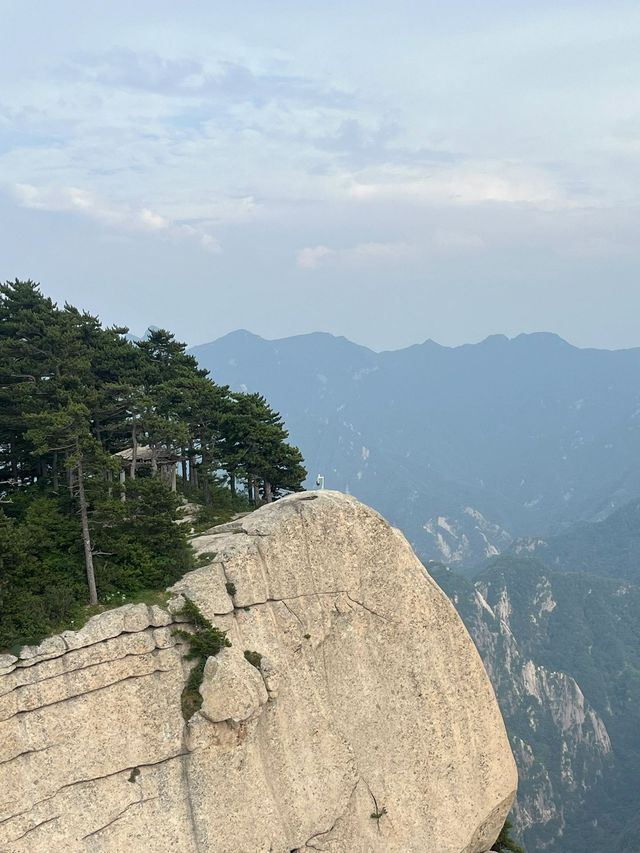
464	448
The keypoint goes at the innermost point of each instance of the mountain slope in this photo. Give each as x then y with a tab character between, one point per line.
607	547
464	448
563	652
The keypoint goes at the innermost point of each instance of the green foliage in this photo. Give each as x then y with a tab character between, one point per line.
41	574
505	842
73	394
217	504
231	588
138	544
205	641
191	698
206	557
255	443
138	548
254	658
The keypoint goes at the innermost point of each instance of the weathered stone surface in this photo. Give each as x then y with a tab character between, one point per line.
159	617
104	626
209	583
371	699
232	689
135	617
7	661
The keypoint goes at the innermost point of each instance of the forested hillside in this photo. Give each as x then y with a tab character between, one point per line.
94	430
608	547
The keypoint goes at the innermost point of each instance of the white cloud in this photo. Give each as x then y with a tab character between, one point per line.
313	257
471	183
153	220
118	217
360	255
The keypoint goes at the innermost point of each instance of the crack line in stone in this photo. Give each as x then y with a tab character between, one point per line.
82	693
28	752
118	816
27	663
338	817
97	779
31	829
86	666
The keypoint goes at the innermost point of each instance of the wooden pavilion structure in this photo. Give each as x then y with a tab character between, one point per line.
154	459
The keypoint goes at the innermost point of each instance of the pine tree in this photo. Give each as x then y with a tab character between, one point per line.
29	361
73	394
65	425
254	444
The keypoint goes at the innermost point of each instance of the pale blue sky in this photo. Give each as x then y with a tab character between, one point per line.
387	171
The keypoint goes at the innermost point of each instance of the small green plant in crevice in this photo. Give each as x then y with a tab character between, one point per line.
191	698
378	813
205	642
307	636
205	558
247	609
134	774
254	658
231	588
505	843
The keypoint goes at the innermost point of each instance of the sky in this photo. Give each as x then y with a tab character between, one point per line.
390	172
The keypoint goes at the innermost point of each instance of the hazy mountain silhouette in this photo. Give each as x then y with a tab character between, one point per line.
464	448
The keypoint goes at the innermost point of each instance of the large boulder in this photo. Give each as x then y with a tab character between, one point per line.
368	725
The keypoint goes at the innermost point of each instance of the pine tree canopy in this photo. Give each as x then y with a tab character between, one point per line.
78	522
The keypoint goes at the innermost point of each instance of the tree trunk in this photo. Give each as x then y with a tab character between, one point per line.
174	471
232	485
183	466
154	460
205	482
56	484
86	537
110	483
134	452
69	476
268	495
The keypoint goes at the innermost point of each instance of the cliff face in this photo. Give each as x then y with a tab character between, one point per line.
371	700
562	652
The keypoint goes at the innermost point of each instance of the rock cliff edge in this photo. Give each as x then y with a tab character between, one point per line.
370	726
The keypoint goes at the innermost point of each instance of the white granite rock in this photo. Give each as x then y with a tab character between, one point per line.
371	697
